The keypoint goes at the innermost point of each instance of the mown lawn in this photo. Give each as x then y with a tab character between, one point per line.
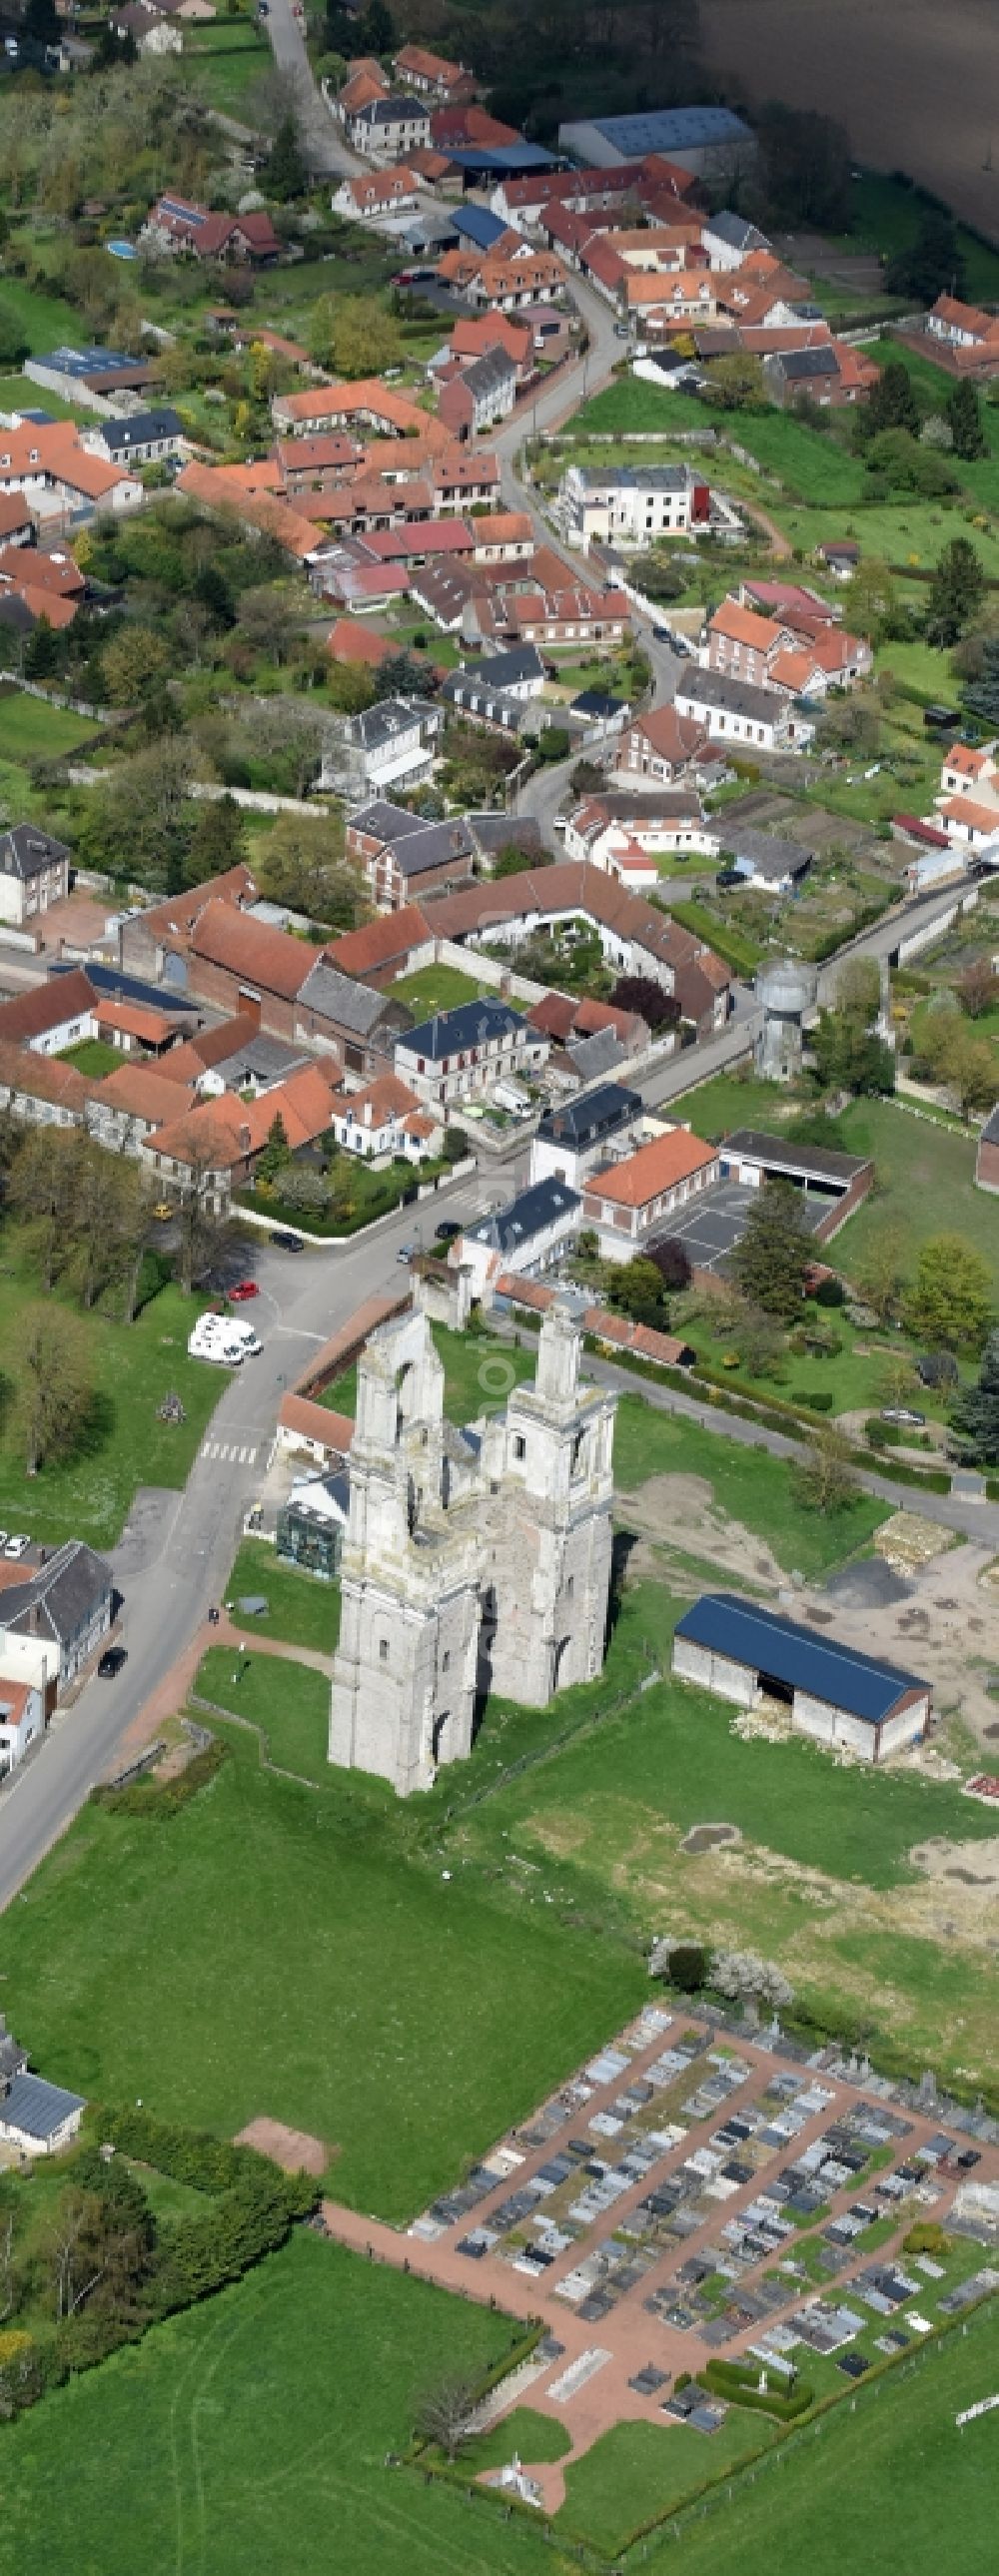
134	1366
926	1186
292	1958
302	1610
732	1100
437	988
31	729
640	2470
227	64
890	2482
93	1056
17	393
45	322
252	2432
289	1702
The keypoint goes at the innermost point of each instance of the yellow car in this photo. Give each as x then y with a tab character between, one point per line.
163	1212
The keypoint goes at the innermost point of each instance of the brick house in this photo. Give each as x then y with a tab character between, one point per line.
633	1202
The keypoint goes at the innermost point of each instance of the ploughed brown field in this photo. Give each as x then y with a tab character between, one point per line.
915	84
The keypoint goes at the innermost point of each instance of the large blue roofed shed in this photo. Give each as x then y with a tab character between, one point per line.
785	1652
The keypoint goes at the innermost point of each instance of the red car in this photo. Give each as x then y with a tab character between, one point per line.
244	1288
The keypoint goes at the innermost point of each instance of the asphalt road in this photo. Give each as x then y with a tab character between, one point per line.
176	1552
320	135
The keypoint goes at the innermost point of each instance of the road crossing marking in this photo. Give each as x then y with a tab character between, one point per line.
229	1452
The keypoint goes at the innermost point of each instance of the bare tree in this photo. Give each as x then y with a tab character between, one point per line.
202	1230
76	2252
444	2416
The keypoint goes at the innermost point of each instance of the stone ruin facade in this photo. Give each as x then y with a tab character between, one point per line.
475	1561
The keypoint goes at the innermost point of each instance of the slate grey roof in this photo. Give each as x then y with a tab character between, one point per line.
799	365
471	690
488	375
597	702
838	1675
262	1059
504	670
780	1156
595	1055
736	231
433	846
990	1131
702	688
526	1216
638	478
393	111
385	821
38	2108
492	832
469	1024
25	851
140	429
391	717
336	997
769	856
591	1115
60	1596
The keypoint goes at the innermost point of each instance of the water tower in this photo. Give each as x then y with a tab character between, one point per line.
786	992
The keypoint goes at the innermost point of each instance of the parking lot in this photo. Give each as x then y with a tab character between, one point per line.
711	1226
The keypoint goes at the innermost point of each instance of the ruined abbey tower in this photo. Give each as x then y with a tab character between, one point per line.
475	1560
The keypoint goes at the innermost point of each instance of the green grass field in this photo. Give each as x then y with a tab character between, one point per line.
437	988
17	393
30	729
93	1057
44	321
251	2433
732	1100
927	1187
886	215
135	1366
228	64
302	1610
747	1483
676	1756
289	1702
641	2470
332	1976
892	2484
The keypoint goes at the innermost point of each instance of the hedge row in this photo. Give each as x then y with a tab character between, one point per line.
724	2379
250	2212
163	1798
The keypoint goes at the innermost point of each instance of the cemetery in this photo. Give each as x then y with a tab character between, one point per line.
709	2223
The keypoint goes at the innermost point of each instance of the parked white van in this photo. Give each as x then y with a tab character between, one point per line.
225	1339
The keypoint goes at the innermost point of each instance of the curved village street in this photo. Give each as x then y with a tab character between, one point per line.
174	1557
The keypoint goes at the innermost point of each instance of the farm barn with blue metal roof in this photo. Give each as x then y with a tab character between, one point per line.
839	1697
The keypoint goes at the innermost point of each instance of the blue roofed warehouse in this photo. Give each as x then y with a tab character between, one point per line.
831	1692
